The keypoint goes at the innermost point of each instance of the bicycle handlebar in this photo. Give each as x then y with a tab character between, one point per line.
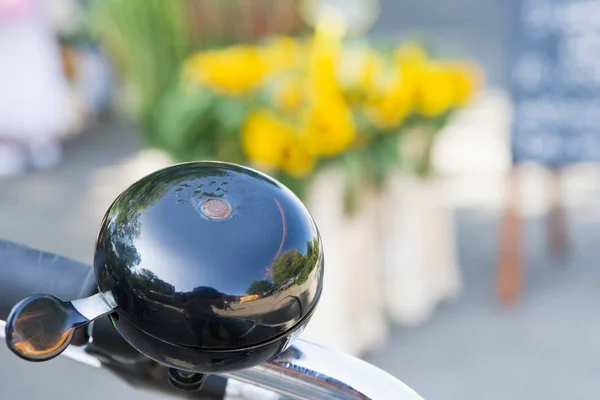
308	371
304	371
24	271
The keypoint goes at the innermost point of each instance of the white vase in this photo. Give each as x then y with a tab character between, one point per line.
350	315
419	249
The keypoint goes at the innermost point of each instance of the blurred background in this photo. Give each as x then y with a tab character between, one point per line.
447	150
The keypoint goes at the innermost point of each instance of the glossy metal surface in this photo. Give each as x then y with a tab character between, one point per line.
236	390
210	256
95	306
307	371
208	361
40	327
76	353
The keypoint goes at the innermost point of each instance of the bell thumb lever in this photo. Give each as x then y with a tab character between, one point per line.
41	326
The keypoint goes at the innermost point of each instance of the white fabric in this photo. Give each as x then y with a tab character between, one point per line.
34	96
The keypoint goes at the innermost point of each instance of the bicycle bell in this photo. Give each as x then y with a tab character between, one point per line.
205	267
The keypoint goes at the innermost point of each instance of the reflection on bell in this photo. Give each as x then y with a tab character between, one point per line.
213	266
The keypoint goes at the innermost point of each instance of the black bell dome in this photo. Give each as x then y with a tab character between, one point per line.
209	257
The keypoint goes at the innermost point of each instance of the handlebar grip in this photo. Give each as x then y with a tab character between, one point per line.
25	271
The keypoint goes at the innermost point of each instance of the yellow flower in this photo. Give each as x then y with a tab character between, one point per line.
289	94
370	71
271	143
389	108
282	53
410	56
411	62
360	73
296	160
389	111
436	91
390	104
328	125
466	81
324	55
263	138
234	70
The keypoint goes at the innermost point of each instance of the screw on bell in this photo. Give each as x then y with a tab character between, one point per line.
216	208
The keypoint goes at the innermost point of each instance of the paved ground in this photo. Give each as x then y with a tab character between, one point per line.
548	348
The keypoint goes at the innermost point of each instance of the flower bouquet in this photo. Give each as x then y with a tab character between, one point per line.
293	106
333	118
334	121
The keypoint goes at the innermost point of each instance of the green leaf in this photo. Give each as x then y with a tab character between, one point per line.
231	113
182	121
353	167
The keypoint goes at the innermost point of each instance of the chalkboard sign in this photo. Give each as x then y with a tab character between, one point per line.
555	81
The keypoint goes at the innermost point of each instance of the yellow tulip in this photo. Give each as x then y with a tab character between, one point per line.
282	53
389	108
297	160
233	71
410	58
324	55
389	111
272	143
389	104
289	94
359	70
466	81
328	125
370	71
436	91
264	138
412	63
